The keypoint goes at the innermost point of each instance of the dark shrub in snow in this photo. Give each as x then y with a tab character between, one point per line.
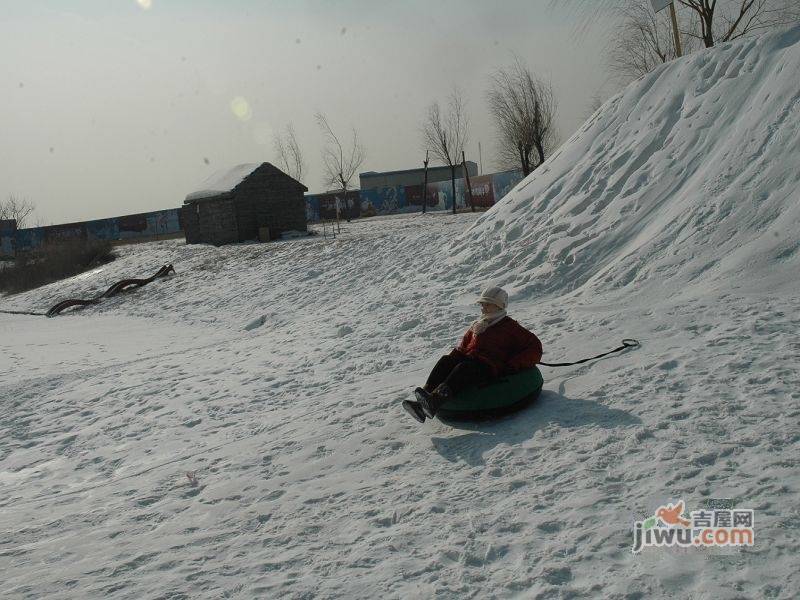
53	261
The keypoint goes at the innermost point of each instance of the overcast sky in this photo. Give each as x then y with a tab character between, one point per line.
112	107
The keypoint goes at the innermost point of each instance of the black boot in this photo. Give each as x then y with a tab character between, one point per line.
444	392
424	402
421	394
441	395
415	410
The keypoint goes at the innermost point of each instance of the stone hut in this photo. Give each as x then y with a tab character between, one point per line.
247	202
8	231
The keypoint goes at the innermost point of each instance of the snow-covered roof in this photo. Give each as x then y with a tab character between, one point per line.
223	181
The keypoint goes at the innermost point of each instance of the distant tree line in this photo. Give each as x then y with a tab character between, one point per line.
522	107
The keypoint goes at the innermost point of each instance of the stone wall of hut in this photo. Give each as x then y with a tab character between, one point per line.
267	198
210	221
272	200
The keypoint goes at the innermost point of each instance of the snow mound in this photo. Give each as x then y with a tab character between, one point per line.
223	181
689	175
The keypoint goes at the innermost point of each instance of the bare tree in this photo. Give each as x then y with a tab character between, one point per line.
725	21
340	162
523	108
446	135
290	158
642	40
18	209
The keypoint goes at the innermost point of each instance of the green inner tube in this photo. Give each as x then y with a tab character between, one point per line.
502	396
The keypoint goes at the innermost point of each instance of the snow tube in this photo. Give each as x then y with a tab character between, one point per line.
499	397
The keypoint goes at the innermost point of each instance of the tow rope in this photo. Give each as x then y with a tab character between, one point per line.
626	343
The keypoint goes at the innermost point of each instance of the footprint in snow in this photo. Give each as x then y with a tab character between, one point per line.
256	323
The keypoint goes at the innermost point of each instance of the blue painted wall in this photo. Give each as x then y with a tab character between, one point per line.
128	227
364	203
405	199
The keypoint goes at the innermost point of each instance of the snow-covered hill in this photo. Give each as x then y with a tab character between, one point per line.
274	374
688	177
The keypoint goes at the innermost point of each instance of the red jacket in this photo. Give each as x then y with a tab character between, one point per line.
506	346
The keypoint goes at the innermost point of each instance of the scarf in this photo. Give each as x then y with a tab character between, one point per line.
486	321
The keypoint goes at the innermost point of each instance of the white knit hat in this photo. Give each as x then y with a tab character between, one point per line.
494	295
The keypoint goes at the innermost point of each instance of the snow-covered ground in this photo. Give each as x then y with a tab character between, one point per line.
274	373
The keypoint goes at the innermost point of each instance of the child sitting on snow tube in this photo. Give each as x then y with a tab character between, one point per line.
494	345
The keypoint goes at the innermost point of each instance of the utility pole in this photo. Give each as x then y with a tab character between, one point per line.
339	204
425	185
658	6
678	50
466	177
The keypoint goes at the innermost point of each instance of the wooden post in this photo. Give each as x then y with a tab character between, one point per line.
675	33
425	185
339	204
453	184
325	223
466	176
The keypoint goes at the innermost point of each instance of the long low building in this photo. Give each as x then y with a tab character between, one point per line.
370	180
486	191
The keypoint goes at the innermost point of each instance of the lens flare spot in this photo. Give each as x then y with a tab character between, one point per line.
241	109
145	4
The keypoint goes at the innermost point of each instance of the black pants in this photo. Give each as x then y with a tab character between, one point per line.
459	372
